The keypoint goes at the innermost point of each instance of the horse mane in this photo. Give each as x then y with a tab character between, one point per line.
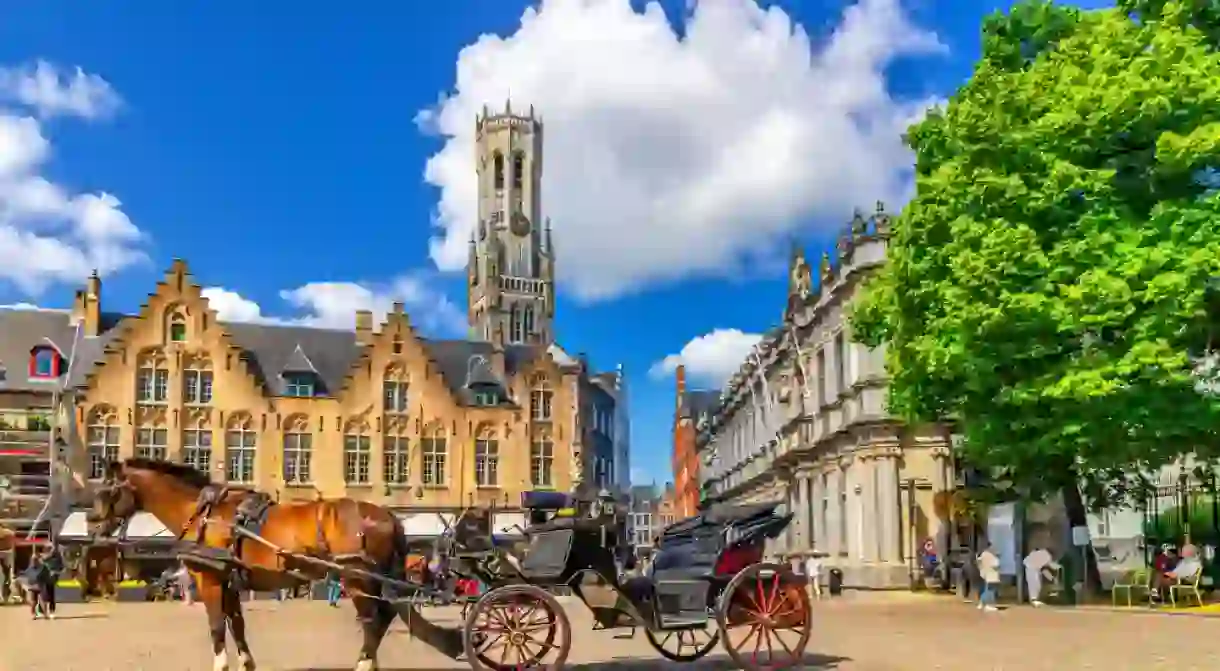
187	474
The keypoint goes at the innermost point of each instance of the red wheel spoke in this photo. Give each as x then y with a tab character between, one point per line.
783	599
785	646
774	592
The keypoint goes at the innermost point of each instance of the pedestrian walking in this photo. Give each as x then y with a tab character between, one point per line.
186	585
34	581
334	589
53	567
989	572
1037	562
813	571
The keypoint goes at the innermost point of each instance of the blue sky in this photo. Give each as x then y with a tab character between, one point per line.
308	162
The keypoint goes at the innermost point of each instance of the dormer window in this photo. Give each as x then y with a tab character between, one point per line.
486	398
299	375
299	385
44	363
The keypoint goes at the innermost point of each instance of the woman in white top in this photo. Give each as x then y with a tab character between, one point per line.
813	571
989	574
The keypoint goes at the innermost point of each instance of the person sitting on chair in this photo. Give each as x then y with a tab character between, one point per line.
1188	567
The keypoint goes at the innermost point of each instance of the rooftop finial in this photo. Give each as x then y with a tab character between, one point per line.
508	104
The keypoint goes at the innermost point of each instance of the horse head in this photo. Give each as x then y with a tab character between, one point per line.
131	485
115	500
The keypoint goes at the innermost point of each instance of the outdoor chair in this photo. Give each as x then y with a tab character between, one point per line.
1189	587
1132	583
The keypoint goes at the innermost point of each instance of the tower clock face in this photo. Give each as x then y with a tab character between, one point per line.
520	225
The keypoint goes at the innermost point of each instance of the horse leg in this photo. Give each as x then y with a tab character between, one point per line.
211	593
237	627
375	618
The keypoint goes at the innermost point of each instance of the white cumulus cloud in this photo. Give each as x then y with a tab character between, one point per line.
50	92
334	305
669	156
711	358
49	234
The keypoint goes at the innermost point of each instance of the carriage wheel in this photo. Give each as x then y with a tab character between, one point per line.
764	618
683	645
517	627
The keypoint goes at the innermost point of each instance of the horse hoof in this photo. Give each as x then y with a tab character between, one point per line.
221	661
245	662
366	665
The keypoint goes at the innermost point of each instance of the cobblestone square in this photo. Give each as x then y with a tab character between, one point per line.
853	634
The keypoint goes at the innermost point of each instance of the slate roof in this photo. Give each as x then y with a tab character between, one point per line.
269	350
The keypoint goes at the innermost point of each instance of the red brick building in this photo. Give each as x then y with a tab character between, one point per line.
690	406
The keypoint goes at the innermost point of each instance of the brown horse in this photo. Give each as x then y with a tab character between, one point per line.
353	533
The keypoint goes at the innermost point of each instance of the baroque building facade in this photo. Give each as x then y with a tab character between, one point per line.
804	421
376	412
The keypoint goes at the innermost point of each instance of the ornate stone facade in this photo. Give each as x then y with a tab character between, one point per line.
804	421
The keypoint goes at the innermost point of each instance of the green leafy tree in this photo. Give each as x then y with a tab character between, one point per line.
1048	282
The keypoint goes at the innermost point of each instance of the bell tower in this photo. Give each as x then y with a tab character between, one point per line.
510	273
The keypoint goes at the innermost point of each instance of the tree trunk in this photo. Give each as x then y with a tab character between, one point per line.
1077	516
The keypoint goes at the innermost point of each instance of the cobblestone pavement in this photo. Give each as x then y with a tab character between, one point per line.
851	635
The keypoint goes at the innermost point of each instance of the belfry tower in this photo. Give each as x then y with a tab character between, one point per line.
511	289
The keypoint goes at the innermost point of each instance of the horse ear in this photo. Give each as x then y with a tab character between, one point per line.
114	470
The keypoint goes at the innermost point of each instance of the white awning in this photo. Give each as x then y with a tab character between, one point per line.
424	525
143	527
505	524
76	527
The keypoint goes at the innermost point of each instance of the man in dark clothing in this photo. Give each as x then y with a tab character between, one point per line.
53	560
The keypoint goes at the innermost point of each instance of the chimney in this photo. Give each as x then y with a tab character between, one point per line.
91	306
364	326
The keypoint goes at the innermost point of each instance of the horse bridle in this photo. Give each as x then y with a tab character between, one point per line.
113	490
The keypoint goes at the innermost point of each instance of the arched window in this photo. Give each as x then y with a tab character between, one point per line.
241	445
541	397
197	445
434	449
527	322
516	324
176	326
197	381
395	387
497	161
518	169
152	377
298	451
542	460
486	458
102	440
357	453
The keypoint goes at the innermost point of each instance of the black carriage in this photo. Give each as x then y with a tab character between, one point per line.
708	581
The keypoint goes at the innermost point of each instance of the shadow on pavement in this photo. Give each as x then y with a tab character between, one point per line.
82	616
717	663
